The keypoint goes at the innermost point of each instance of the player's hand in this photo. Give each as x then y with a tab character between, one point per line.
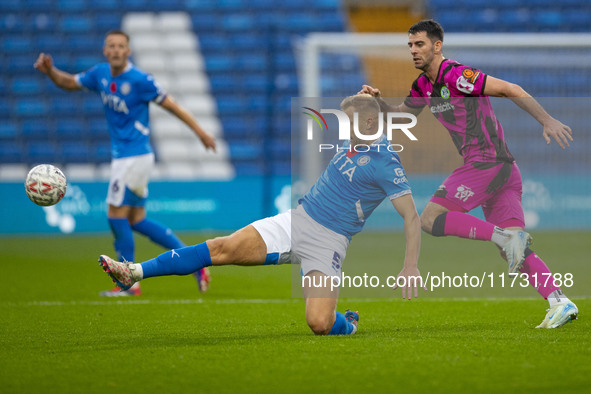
366	89
208	141
408	279
561	133
44	63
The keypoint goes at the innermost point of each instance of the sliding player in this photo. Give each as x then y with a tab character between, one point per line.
316	234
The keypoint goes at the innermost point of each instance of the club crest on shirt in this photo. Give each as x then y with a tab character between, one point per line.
445	92
363	160
125	88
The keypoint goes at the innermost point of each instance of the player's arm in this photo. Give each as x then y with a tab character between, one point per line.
387	107
405	207
60	78
171	105
553	128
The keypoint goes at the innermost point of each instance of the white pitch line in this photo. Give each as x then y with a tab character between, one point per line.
230	301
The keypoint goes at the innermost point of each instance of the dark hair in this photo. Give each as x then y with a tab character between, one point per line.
117	32
432	28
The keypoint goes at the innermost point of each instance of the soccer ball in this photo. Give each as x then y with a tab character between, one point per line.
45	185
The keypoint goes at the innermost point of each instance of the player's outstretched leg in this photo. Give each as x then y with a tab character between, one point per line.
165	237
124	247
463	225
244	247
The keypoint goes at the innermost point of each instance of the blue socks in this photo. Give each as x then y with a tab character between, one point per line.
341	326
158	234
124	245
181	261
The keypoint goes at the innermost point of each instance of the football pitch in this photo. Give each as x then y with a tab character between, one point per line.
248	334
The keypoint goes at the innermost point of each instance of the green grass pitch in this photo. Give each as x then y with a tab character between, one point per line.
248	334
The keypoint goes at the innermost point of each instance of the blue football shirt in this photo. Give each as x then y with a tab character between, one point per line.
353	185
126	99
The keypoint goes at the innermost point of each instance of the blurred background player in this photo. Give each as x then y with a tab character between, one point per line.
458	96
126	93
316	234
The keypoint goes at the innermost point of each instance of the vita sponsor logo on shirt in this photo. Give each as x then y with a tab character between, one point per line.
113	101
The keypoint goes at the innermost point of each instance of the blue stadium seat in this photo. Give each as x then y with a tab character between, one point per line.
246	150
5	107
13	5
222	63
72	6
76	152
232	5
137	5
246	41
65	104
302	23
253	61
101	152
257	83
31	107
38	129
206	22
104	22
234	126
257	103
238	22
284	60
11	23
49	42
98	128
76	24
42	152
85	62
8	129
248	168
25	86
20	64
225	83
71	128
198	6
92	106
16	44
39	5
104	5
550	20
11	152
41	22
211	43
231	104
89	43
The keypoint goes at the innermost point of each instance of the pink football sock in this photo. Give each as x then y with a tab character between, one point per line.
467	226
538	275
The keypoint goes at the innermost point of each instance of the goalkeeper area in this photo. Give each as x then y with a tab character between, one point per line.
247	331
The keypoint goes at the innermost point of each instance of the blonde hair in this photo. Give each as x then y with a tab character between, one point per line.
363	103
